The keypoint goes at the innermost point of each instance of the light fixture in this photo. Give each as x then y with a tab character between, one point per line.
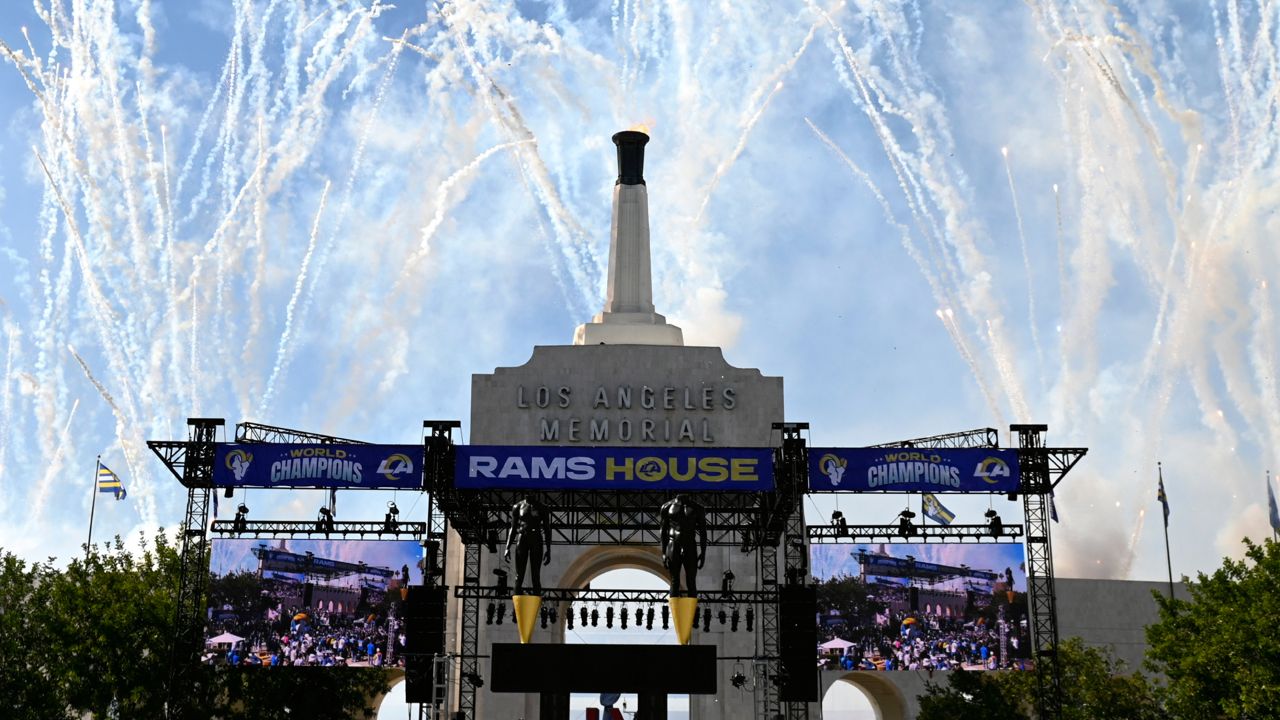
639	617
738	679
491	540
595	617
240	523
474	680
502	612
391	521
706	619
543	617
733	619
751	619
723	617
666	617
841	525
488	613
582	613
324	520
994	523
726	583
906	528
648	623
568	619
502	580
608	617
623	617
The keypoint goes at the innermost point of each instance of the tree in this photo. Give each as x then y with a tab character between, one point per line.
969	696
1221	649
94	640
1095	686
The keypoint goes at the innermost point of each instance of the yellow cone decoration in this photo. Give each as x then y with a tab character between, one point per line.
685	611
527	607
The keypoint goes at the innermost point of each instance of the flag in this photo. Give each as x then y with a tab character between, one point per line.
935	511
1053	507
109	482
1164	499
1271	505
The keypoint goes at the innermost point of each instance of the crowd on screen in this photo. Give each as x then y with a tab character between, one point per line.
918	641
301	637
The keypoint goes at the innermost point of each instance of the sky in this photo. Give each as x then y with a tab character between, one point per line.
926	216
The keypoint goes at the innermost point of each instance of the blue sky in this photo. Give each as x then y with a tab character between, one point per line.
926	217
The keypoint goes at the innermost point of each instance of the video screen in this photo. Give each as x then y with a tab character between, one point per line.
922	607
319	603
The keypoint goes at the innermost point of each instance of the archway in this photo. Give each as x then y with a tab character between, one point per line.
863	696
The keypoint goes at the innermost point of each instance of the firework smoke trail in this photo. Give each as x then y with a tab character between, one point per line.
940	295
53	469
1026	266
282	351
6	406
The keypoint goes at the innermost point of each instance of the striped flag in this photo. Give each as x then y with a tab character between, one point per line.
1164	499
109	482
935	511
1272	511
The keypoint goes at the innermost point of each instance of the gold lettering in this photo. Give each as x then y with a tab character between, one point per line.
713	469
743	470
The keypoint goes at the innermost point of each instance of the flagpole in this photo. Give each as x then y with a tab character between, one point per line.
1164	504
93	505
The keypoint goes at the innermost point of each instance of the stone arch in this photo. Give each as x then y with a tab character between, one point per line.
600	559
886	699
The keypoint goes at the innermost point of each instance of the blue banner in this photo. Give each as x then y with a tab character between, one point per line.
340	465
613	468
934	470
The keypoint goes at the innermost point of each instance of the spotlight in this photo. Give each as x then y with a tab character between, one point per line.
733	620
905	527
595	617
842	525
229	493
751	618
639	617
582	613
648	624
324	521
568	619
726	583
746	541
738	679
608	617
722	617
543	617
555	616
488	613
391	520
994	523
502	612
491	540
666	617
706	619
474	680
502	580
240	524
623	618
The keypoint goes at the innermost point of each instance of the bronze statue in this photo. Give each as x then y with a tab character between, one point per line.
531	533
684	524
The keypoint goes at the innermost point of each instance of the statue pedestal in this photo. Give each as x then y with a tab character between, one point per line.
527	607
684	610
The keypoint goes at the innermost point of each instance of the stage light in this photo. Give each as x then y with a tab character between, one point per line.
474	680
543	617
726	583
623	617
738	679
666	617
648	624
751	619
994	523
608	617
502	612
905	527
733	620
595	617
491	540
324	520
488	613
390	520
706	619
240	523
568	618
722	617
229	493
746	541
503	585
639	617
840	523
582	613
555	616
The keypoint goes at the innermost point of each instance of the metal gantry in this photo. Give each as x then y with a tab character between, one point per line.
919	534
314	528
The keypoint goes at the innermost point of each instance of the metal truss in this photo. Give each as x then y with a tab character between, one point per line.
791	463
469	650
768	644
921	533
980	438
247	432
310	528
606	595
193	465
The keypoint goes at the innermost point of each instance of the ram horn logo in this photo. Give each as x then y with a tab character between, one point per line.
833	467
991	470
237	462
395	466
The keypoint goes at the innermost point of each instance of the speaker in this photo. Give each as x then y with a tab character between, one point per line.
308	590
424	625
913	598
798	633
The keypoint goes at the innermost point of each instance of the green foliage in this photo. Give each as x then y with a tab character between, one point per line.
93	640
1095	686
1221	649
969	696
848	596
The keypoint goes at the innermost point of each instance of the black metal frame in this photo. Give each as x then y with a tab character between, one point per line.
311	528
835	534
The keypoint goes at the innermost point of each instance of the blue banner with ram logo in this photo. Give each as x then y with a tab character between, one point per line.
339	465
932	470
613	468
